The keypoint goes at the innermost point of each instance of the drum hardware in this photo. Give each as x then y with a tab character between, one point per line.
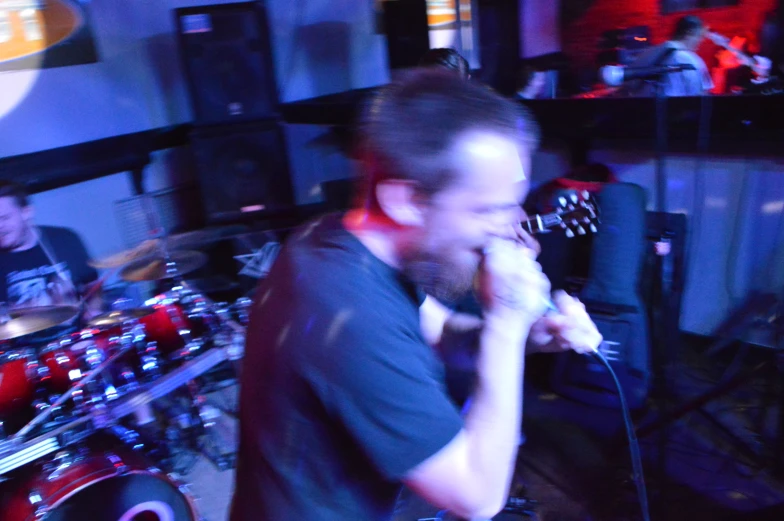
66	395
127	436
15	452
218	444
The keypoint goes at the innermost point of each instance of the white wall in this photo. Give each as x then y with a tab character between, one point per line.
540	29
82	208
319	46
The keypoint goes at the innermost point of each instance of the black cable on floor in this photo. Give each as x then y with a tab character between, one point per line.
634	446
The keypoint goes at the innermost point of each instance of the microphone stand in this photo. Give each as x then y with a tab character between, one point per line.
661	144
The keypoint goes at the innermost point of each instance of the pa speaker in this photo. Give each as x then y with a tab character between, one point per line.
225	51
243	170
408	38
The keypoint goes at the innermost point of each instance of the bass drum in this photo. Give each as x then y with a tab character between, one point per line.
99	484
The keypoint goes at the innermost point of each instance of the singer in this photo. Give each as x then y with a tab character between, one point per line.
680	49
41	265
342	397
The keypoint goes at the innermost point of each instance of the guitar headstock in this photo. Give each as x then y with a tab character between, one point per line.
575	212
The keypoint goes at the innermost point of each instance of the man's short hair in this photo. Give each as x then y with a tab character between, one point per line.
14	190
686	26
411	125
447	58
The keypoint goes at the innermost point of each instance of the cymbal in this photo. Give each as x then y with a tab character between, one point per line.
180	241
115	318
154	267
120	259
25	321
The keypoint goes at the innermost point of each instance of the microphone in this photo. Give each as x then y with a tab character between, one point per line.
615	75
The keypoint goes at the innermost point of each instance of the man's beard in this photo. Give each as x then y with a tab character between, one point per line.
446	280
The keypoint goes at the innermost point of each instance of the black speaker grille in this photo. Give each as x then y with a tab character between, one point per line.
227	60
242	169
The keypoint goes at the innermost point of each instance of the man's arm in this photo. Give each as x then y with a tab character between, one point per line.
470	476
433	319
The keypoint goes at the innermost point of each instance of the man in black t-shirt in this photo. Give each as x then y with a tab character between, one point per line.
40	266
342	396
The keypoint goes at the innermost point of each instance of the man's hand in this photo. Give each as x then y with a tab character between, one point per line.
511	283
569	329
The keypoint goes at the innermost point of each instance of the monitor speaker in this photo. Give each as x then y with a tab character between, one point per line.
225	52
408	38
243	170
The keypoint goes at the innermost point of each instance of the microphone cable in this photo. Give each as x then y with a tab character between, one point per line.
634	446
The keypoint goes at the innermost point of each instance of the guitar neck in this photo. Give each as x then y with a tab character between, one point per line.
542	223
722	42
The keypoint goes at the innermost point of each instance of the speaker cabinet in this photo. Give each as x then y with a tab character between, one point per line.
408	38
243	170
225	51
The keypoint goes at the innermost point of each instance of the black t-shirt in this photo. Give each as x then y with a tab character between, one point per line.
340	394
30	279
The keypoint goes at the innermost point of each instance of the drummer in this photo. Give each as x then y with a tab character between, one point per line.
42	265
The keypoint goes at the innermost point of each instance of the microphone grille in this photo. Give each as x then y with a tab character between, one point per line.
612	75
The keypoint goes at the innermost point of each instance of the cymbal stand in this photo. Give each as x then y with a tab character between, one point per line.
158	231
216	441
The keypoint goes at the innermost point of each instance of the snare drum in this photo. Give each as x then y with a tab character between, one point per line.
99	484
18	379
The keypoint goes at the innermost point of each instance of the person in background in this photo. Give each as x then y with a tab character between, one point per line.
446	58
680	49
772	40
42	265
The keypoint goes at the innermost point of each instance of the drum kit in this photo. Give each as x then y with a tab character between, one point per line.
91	422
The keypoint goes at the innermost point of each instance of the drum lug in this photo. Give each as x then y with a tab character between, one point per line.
62	461
36	500
182	486
35	371
127	436
191	349
150	361
187	491
119	465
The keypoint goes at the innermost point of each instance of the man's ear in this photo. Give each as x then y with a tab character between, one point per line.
398	200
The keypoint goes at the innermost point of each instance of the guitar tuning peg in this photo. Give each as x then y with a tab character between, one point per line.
593	228
574	198
569	233
586	195
562	201
580	230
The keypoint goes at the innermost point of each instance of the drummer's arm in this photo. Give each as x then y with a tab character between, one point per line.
93	300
